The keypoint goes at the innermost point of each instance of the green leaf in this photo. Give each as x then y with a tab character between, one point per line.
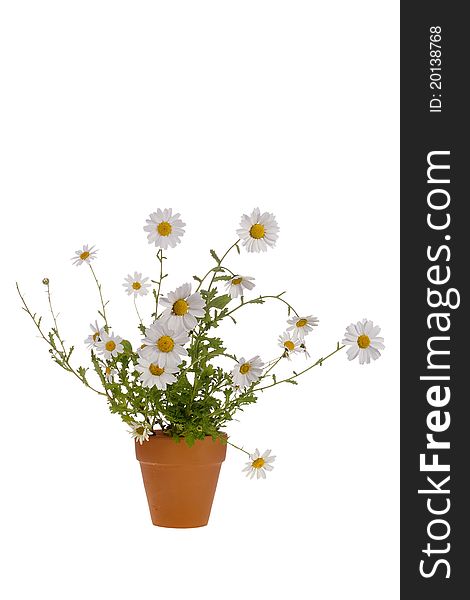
197	278
220	302
127	346
223	278
208	296
190	438
214	256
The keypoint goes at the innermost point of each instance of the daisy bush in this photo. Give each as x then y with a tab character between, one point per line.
179	376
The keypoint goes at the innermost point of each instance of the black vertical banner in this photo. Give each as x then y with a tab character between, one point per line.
435	271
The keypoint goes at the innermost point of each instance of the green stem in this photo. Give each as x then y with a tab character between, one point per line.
60	357
320	361
201	330
272	366
214	273
238	448
196	362
228	270
137	310
54	318
103	304
257	301
160	258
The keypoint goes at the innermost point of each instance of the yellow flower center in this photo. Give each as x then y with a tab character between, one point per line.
84	255
110	346
95	336
245	368
237	280
258	463
164	228
257	231
289	345
180	307
301	323
363	341
165	344
140	430
108	371
136	285
156	370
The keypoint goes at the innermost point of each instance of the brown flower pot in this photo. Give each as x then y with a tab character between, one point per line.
179	480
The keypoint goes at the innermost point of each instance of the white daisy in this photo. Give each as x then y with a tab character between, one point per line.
164	228
140	431
362	337
86	254
245	372
237	284
109	345
109	373
183	308
151	374
259	464
94	337
302	325
162	346
258	231
291	343
136	285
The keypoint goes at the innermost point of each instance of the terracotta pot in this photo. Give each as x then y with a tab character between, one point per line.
179	480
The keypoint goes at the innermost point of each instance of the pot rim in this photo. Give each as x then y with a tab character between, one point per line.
162	449
161	433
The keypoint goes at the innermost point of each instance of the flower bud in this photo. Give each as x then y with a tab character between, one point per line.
45	281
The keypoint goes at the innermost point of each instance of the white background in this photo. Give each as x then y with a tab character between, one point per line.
110	110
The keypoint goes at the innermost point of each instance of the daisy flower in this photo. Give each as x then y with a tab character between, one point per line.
140	431
151	374
290	343
236	285
363	341
109	345
164	228
183	308
258	231
95	336
302	325
259	464
86	254
245	372
162	346
109	374
136	285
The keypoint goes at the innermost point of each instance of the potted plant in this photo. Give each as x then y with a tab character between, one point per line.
173	387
